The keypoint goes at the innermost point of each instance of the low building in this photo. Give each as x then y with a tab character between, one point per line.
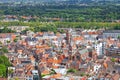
113	51
99	49
18	28
5	37
111	33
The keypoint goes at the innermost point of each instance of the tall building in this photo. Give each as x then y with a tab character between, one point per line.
68	36
69	40
99	47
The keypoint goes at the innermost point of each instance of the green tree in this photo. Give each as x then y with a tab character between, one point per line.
16	78
24	31
82	74
6	30
10	71
8	41
15	40
113	59
4	60
118	37
71	70
2	70
53	71
4	50
4	64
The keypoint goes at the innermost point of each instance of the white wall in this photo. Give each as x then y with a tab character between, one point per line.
99	48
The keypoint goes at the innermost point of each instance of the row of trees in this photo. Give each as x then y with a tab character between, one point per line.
48	26
89	25
6	30
69	13
45	28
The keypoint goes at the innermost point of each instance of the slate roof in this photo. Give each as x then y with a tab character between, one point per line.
111	31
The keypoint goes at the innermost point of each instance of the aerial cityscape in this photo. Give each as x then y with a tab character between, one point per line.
59	39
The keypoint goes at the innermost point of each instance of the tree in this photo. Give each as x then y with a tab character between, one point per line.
6	30
24	31
15	40
46	28
71	71
10	71
53	71
113	59
16	78
8	41
4	60
118	37
2	70
0	43
4	50
4	64
82	74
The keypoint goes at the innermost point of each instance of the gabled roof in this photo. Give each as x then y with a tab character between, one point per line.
55	76
46	72
116	76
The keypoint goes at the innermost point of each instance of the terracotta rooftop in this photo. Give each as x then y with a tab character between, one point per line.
116	77
3	78
45	72
58	75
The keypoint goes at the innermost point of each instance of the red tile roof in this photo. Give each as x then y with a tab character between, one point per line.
45	72
58	75
3	78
